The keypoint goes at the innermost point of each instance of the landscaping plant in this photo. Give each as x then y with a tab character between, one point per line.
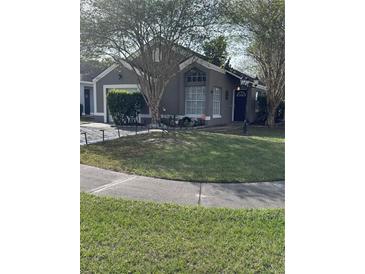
124	106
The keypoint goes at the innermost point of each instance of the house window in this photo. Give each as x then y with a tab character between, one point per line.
194	75
217	93
194	100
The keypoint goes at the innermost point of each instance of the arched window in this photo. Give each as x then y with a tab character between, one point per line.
194	76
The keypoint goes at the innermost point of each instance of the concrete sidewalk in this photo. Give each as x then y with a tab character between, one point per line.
233	195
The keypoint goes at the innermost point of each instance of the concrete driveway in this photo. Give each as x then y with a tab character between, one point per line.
95	135
245	195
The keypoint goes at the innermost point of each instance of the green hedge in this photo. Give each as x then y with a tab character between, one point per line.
124	105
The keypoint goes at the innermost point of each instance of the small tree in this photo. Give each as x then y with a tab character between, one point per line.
124	105
216	50
262	24
144	34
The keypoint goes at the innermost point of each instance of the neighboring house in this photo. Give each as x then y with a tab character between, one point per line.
199	90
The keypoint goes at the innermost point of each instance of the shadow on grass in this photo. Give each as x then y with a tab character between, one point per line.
258	131
197	157
263	192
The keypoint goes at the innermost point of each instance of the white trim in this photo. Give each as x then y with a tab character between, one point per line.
261	87
198	60
128	66
86	83
240	77
217	115
99	113
113	67
258	86
193	115
121	86
105	72
94	95
235	75
233	101
195	59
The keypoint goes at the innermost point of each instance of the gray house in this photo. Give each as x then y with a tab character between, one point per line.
199	90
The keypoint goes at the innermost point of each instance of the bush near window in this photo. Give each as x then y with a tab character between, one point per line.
189	122
124	106
186	121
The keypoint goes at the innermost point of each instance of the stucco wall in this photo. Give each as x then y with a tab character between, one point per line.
128	77
227	83
170	99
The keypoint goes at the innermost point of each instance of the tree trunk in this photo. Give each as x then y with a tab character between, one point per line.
271	118
155	114
271	115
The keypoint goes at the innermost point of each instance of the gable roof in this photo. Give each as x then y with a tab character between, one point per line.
204	60
91	69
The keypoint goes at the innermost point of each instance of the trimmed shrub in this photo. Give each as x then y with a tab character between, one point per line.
185	122
124	106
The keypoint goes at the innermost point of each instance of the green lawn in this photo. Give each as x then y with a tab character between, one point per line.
196	156
237	129
119	236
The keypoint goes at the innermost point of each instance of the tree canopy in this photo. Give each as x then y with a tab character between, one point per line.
262	24
216	50
145	34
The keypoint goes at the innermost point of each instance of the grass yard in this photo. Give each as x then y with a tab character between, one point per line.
197	156
237	129
119	236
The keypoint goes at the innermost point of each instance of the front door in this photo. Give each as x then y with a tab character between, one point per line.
87	101
239	105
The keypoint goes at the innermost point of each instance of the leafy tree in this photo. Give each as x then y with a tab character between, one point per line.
262	24
216	50
144	35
